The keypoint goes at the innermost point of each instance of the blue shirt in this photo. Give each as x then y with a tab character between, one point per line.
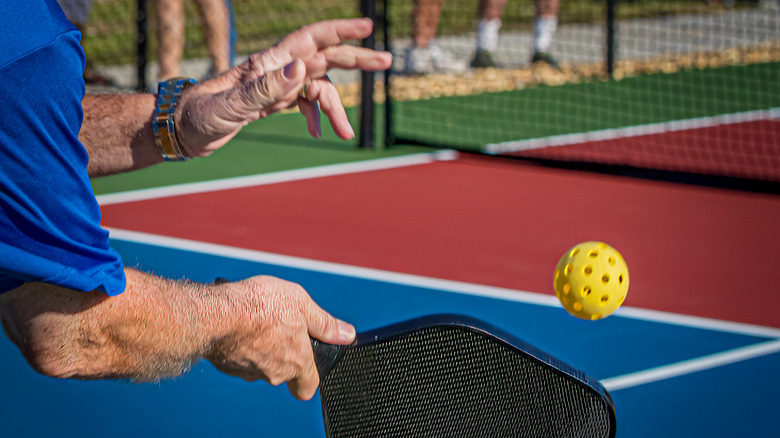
49	219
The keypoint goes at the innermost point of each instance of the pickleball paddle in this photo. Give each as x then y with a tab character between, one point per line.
455	376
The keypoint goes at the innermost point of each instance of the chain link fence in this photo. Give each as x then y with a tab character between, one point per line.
111	32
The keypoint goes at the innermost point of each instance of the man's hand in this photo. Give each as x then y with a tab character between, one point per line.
117	129
268	332
211	113
258	328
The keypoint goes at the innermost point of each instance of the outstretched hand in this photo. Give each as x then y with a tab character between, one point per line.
211	113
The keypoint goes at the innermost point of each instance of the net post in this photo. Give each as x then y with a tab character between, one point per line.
141	44
366	139
611	39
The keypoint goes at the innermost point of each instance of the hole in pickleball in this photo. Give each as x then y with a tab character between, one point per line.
566	288
593	254
585	291
620	279
605	278
612	261
567	270
604	299
574	252
587	270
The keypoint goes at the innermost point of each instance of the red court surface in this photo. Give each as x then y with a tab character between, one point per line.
690	250
744	150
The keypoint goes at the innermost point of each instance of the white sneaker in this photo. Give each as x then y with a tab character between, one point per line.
432	59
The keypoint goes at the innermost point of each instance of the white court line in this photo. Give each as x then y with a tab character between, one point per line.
276	177
432	283
630	131
691	366
334	268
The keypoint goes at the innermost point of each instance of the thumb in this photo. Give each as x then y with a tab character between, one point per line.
278	89
328	329
207	121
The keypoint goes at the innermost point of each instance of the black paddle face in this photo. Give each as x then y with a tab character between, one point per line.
454	376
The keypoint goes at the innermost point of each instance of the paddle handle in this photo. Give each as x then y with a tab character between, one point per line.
326	356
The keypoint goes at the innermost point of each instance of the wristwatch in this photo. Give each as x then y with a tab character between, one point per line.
163	125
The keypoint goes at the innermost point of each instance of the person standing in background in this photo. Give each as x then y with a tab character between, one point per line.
490	12
215	15
425	56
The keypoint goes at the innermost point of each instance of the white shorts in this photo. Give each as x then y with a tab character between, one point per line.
77	11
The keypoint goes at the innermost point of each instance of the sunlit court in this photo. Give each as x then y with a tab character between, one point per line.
480	230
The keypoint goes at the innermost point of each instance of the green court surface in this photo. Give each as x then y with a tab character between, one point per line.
277	143
281	141
543	111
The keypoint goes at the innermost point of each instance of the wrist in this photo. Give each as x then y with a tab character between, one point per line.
184	125
213	323
166	132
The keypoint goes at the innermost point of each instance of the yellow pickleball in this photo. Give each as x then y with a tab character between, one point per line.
591	280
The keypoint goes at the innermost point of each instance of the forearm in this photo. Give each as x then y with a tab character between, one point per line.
117	133
157	328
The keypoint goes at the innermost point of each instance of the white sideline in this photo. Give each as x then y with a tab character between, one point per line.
691	366
276	177
630	131
432	283
449	286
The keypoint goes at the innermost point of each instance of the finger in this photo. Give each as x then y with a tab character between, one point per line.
347	58
352	57
303	43
261	97
311	111
311	38
325	327
331	106
305	384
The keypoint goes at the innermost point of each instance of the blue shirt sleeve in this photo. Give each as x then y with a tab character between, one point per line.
49	218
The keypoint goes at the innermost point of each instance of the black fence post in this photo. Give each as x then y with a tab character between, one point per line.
611	40
141	45
366	139
389	136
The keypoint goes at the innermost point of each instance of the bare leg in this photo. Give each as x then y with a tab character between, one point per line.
216	33
170	37
424	56
425	21
547	8
491	9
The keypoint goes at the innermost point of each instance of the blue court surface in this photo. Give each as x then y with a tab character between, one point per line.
668	375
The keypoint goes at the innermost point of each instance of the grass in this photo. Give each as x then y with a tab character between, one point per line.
277	143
